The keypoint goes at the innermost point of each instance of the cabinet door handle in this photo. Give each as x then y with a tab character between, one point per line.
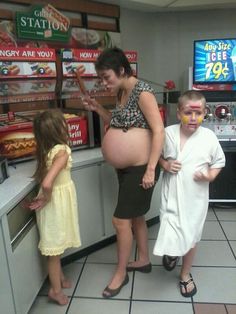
22	233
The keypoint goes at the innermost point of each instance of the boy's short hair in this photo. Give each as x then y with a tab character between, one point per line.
191	95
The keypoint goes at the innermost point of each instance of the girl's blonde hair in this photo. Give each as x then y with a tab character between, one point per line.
191	95
50	128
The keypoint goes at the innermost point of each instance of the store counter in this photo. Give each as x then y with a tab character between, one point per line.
97	189
20	182
21	263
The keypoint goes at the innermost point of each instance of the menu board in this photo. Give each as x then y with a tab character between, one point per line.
74	58
27	62
80	38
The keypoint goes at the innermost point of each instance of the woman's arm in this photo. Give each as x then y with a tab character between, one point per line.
92	105
149	107
59	162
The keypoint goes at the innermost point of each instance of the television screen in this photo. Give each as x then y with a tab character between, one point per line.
214	61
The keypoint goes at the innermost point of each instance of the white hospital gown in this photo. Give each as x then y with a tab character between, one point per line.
184	202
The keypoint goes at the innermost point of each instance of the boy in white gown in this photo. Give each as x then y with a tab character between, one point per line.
192	157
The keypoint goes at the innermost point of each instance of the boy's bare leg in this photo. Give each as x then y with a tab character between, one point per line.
186	267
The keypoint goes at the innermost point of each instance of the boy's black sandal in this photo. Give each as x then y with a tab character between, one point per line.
183	286
169	262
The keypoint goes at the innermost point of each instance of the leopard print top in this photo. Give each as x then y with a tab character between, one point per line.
131	115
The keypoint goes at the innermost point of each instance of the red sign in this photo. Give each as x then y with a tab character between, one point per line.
213	87
132	56
92	55
73	58
17	138
27	54
78	131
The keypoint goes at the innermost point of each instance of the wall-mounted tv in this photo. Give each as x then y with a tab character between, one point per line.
214	61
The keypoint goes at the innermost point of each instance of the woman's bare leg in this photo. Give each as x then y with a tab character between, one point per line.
141	236
124	244
54	273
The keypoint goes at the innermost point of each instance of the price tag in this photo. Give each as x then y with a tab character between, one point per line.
218	69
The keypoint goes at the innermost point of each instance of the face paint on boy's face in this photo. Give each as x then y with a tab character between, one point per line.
191	115
186	119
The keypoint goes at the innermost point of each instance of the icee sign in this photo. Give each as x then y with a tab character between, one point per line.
215	61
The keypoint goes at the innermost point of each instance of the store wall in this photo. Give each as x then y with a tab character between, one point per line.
164	41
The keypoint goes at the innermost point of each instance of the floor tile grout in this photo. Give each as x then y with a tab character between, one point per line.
133	300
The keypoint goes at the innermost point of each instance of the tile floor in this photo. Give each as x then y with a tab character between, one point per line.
214	271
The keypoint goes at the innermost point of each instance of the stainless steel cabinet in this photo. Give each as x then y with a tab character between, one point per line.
25	266
87	180
6	299
109	195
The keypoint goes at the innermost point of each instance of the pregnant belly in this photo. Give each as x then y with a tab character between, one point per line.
124	149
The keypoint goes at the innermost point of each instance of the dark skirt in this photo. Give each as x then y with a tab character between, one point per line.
133	199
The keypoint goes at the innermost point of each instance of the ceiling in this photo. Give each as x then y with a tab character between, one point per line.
172	5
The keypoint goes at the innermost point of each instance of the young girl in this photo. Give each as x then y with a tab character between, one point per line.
55	204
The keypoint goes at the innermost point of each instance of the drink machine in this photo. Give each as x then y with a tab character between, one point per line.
214	74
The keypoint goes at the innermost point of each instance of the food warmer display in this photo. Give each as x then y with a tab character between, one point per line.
29	84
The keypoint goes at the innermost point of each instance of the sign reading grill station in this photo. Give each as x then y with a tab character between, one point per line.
43	22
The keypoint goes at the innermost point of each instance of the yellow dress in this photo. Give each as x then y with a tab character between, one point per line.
58	221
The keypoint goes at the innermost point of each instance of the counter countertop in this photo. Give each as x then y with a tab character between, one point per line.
20	182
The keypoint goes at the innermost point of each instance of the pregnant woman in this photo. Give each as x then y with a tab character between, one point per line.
132	144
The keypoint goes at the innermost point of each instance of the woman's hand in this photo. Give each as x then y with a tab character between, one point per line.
89	103
80	69
148	180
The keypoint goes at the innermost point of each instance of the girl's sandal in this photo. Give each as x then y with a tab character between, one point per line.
183	286
169	262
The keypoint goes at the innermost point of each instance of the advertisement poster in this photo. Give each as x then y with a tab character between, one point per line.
215	61
17	138
78	129
74	58
80	38
27	62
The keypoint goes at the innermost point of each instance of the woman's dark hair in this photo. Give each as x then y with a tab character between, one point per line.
50	128
113	59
